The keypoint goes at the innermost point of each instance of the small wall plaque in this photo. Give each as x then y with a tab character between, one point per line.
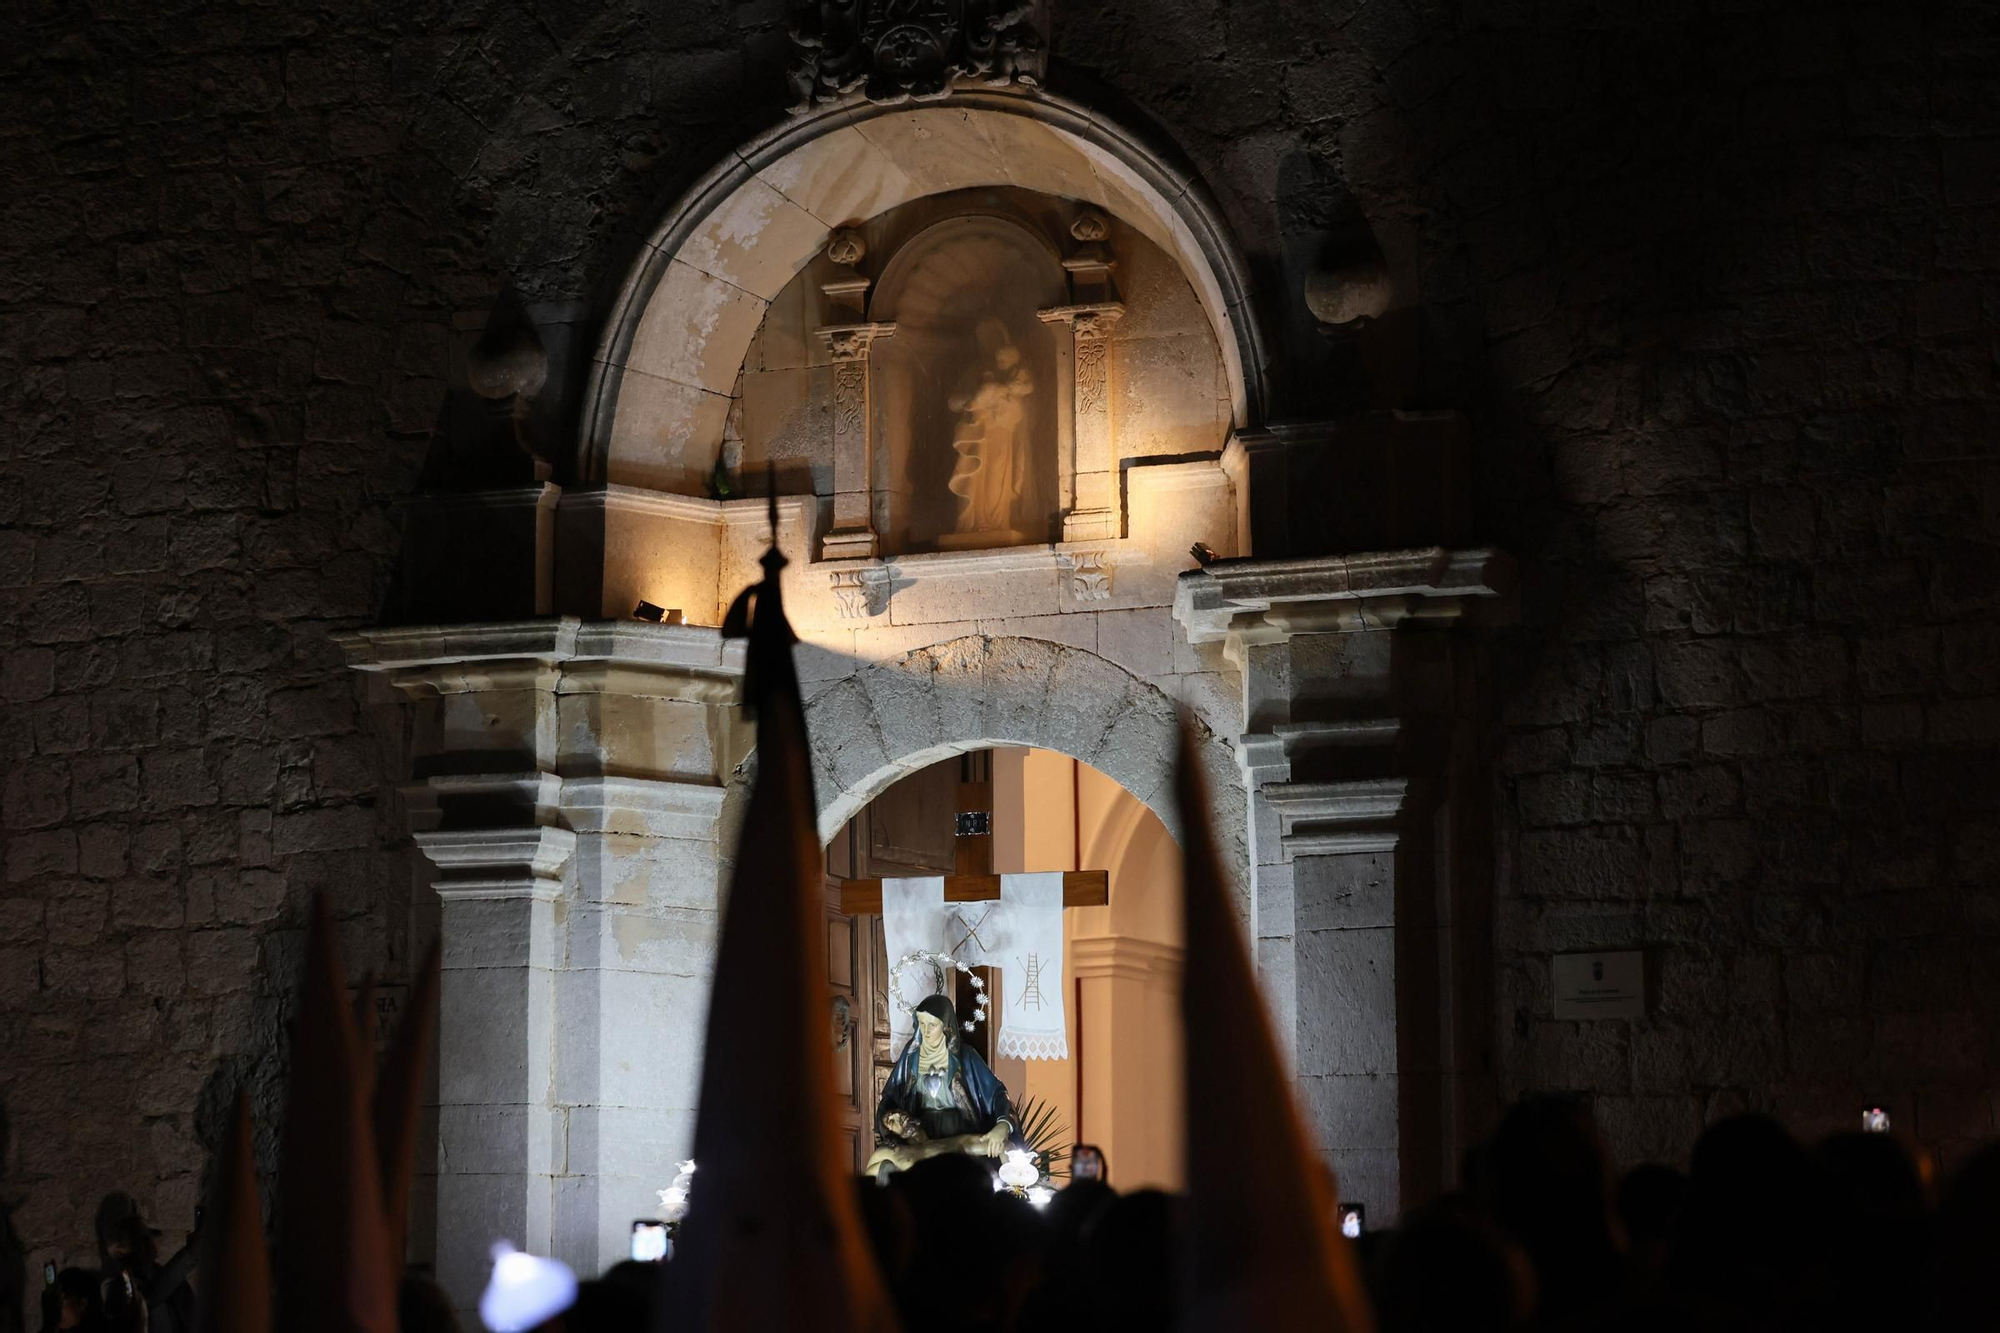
1600	985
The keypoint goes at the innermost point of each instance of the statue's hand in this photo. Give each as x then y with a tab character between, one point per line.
996	1139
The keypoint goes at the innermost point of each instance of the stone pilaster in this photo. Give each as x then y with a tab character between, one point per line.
1357	753
1091	470
498	1155
848	340
572	798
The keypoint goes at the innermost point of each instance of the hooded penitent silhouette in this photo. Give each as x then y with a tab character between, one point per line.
398	1105
334	1269
774	1240
235	1266
1263	1250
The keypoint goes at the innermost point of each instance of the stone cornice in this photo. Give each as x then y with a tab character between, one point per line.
654	807
1337	818
1251	600
561	653
499	862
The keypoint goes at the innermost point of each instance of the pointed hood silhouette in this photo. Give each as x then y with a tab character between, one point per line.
774	1237
1264	1252
398	1110
334	1271
235	1265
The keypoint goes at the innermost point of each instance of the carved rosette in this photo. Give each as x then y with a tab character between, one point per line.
1089	575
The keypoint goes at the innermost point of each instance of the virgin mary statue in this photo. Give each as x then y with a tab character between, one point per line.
940	1098
992	465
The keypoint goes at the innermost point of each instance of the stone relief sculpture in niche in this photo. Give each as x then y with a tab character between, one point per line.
899	50
989	440
964	397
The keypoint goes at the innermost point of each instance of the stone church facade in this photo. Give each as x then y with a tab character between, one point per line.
1549	459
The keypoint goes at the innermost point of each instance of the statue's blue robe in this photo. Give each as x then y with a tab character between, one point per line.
983	1094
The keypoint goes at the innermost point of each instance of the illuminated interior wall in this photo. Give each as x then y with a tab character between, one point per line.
1121	1087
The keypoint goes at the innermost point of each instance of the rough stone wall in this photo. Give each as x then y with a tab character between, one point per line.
1718	288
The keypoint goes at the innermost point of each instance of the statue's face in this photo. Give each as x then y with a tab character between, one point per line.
930	1029
1007	357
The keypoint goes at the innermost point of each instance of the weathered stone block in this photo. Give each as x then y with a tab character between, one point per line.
1345	892
1347	1002
49	852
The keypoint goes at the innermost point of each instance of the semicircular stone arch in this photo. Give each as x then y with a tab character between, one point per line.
890	719
663	374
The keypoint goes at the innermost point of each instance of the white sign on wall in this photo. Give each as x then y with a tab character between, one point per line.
1600	985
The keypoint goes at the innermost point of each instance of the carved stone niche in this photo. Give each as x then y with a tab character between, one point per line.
901	50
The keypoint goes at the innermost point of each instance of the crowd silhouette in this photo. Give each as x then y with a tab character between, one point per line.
1759	1233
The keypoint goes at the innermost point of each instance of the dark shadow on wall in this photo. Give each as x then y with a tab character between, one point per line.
13	1254
471	533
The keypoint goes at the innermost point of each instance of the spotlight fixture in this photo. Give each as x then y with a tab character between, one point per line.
659	615
1202	553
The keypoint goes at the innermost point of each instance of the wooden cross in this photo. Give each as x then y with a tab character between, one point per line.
972	879
1081	888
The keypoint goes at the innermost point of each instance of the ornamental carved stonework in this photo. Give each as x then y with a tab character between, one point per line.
1091	375
850	397
903	50
1089	575
860	593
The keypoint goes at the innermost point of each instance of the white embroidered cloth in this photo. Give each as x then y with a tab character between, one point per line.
1024	939
1021	934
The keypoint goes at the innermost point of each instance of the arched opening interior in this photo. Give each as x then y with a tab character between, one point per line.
1118	1086
660	404
963	279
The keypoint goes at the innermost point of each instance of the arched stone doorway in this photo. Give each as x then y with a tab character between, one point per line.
573	768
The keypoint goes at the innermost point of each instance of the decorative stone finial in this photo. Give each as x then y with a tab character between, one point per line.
1090	226
507	362
846	246
1349	296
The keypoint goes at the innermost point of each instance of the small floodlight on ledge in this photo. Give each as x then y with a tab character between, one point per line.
659	615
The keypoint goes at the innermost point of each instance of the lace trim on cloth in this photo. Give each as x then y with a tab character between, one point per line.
1032	1046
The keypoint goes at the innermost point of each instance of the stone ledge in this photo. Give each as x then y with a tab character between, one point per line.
1270	600
1338	818
499	863
668	808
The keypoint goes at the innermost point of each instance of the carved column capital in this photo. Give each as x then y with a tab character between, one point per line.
850	342
1091	319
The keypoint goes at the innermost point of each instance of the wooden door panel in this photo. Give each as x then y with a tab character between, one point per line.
840	952
910	828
